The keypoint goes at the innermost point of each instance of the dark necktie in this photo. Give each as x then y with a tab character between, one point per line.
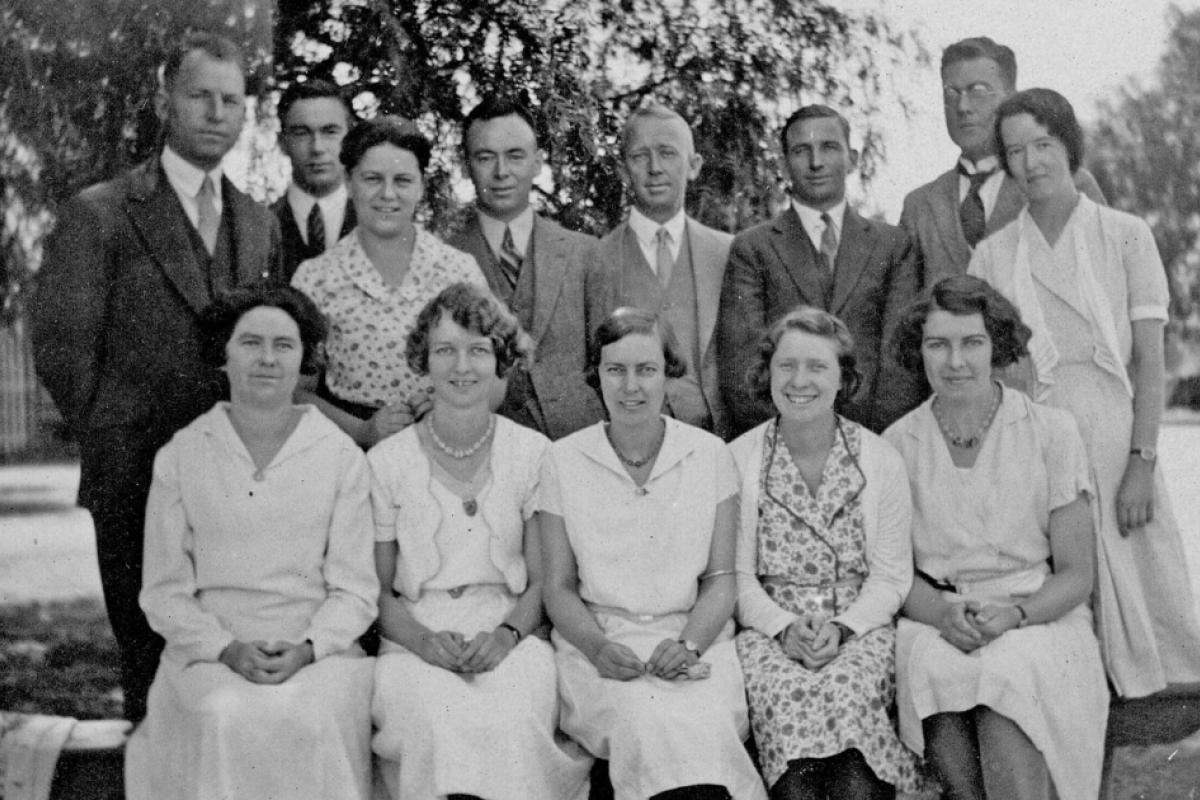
316	230
510	259
974	221
829	242
207	218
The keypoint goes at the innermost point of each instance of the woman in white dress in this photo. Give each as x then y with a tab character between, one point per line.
638	520
258	574
1089	282
466	701
999	676
824	561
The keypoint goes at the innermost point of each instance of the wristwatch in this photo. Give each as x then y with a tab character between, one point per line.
1147	454
690	646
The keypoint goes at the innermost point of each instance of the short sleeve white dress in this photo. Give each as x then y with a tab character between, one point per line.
640	552
969	532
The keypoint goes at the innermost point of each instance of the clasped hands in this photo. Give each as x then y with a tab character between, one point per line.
970	625
453	651
260	662
814	644
670	661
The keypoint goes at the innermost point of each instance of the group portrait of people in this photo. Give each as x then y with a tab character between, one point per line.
828	508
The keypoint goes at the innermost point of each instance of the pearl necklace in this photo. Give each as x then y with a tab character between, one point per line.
641	462
466	452
972	441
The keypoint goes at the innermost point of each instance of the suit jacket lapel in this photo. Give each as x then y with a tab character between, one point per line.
249	246
1009	202
708	273
853	256
550	253
349	221
798	255
946	215
155	211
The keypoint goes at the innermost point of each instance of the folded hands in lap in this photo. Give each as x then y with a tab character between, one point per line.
260	662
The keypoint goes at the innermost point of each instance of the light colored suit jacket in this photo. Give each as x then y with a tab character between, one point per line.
931	218
774	267
559	310
709	251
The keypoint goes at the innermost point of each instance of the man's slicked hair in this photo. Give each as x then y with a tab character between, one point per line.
814	111
211	44
982	47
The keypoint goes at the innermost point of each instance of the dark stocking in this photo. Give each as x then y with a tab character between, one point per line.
804	780
952	750
849	777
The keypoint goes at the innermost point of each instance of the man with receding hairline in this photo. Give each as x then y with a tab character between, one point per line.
315	211
535	265
129	267
947	217
819	252
662	260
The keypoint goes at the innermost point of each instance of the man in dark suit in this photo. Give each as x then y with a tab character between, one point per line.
947	217
128	269
663	260
316	211
819	252
534	265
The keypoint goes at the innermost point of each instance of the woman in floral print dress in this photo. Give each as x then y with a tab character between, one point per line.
824	562
373	283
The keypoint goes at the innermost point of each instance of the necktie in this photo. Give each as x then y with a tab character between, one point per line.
974	223
829	242
316	230
663	262
207	218
510	259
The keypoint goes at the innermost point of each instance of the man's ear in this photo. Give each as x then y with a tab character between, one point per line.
162	102
853	156
694	165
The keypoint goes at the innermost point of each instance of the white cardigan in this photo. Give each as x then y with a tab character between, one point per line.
406	510
887	517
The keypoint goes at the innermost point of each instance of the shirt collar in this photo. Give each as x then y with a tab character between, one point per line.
985	164
493	230
186	177
810	218
645	229
301	202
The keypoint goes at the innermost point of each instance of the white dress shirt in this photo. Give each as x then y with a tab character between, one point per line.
645	230
991	187
185	178
493	231
333	211
814	226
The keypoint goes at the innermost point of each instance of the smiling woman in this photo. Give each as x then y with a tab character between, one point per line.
373	283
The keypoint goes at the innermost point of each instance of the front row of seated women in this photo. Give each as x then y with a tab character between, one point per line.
259	575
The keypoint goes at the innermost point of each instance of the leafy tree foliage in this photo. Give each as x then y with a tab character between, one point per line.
1146	157
733	68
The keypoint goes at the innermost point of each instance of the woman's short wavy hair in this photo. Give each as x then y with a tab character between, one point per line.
478	311
805	319
962	295
219	319
396	131
627	321
1050	110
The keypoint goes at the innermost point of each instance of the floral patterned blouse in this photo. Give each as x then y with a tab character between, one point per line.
369	320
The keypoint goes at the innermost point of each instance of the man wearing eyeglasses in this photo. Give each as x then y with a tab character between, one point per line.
949	216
